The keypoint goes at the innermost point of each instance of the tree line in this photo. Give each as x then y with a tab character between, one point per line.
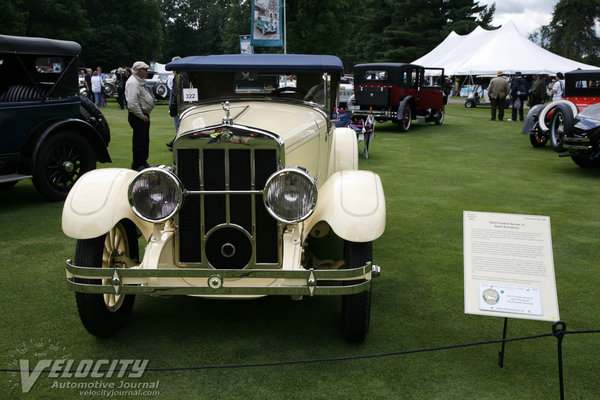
116	33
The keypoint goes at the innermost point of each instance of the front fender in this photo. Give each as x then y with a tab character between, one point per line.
97	201
531	120
353	204
344	151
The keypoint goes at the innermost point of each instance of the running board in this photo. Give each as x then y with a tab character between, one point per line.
14	177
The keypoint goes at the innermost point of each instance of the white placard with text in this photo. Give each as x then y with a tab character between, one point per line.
509	266
190	95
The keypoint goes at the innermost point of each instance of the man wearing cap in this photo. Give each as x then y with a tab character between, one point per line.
497	92
140	103
518	93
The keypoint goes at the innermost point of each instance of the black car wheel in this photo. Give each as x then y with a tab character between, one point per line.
61	160
584	161
109	90
538	139
469	104
356	308
404	116
439	116
161	90
105	314
562	123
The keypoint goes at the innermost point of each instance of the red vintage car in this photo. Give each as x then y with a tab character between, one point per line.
400	92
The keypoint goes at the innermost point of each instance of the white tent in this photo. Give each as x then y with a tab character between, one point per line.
484	52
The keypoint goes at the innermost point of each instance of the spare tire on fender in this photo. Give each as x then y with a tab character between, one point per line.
562	123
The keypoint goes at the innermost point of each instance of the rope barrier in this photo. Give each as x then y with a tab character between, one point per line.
344	358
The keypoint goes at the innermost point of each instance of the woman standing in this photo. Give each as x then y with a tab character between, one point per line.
97	89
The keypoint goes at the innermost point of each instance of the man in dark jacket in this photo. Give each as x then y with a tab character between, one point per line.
518	93
538	90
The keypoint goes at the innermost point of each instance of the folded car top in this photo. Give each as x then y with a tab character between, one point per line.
35	45
259	62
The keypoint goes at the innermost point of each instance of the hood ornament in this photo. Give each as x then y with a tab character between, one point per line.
227	120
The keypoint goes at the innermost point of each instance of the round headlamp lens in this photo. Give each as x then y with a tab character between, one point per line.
155	194
290	195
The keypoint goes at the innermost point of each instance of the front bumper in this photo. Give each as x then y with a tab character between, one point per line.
216	282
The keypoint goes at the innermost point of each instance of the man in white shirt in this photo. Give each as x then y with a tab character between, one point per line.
558	89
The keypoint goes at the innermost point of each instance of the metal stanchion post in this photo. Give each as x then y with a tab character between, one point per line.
559	329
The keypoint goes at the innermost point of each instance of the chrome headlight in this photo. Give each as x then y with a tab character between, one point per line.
290	195
155	194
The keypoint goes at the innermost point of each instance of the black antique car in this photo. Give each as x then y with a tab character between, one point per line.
400	92
48	132
551	121
582	141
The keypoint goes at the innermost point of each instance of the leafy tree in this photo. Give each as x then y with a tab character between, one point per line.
194	27
121	33
13	19
404	30
571	32
237	23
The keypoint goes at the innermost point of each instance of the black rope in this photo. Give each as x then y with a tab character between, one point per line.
345	358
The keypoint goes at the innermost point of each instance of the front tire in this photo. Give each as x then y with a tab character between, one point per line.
538	139
439	116
583	161
105	314
356	308
61	160
561	124
404	116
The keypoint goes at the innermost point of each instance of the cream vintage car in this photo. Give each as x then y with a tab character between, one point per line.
264	197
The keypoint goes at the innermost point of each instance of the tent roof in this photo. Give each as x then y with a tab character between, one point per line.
484	52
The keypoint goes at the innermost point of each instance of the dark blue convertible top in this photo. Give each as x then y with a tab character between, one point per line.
259	63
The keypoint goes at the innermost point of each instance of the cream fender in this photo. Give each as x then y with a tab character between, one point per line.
97	201
344	151
353	204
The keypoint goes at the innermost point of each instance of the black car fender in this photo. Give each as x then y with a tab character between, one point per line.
79	126
408	100
531	122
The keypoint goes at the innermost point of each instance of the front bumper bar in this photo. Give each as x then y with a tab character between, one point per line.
309	282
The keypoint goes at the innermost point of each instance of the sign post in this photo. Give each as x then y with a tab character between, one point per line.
509	267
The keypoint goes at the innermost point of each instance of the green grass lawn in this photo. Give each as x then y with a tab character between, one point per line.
430	175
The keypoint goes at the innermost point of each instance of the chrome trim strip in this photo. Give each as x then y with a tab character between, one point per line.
311	277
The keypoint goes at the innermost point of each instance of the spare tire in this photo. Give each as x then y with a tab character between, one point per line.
161	90
561	124
92	115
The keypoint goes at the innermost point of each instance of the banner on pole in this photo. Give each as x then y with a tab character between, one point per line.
245	44
267	23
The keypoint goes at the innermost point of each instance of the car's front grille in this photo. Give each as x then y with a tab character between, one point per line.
231	228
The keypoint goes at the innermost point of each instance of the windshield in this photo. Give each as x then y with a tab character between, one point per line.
206	86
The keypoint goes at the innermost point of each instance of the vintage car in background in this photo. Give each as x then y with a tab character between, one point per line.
553	120
346	90
264	197
49	133
398	92
157	83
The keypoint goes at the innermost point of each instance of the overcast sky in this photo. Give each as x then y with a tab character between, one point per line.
528	15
